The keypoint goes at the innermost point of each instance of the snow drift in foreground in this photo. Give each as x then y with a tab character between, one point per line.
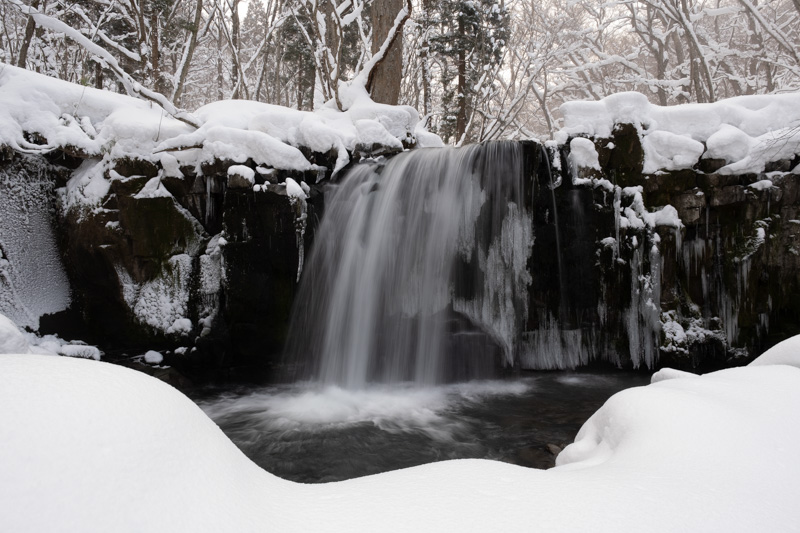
14	341
96	123
746	132
89	446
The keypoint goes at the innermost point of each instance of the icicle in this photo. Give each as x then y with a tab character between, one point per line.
297	199
210	211
643	316
617	210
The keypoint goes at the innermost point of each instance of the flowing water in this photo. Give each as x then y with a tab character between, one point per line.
418	271
313	433
418	278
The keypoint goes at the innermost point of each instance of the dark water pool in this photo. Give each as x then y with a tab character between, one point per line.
311	434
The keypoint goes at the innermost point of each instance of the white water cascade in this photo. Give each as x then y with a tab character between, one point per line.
414	260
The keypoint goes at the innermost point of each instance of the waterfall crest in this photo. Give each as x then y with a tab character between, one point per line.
416	261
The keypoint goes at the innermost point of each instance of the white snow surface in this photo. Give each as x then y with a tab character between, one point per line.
11	338
746	131
244	172
99	123
783	353
294	190
80	350
153	189
637	216
88	446
153	357
583	154
761	185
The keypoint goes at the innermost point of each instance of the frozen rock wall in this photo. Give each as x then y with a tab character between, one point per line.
685	267
201	266
33	282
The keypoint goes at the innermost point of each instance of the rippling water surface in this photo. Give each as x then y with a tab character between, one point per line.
308	433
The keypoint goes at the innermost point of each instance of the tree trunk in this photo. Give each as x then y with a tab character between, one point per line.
235	45
387	74
155	54
424	57
98	75
30	28
220	77
461	96
187	60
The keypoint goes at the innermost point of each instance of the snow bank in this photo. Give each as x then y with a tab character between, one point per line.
89	446
746	132
80	350
93	123
11	338
15	341
783	353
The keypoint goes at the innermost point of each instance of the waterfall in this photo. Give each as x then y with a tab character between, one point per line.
418	270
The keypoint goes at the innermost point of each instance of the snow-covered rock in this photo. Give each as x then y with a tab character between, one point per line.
241	177
94	123
153	189
93	447
153	357
14	341
746	132
80	350
11	338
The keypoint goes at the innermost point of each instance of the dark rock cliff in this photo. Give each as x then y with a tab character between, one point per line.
204	266
638	290
201	267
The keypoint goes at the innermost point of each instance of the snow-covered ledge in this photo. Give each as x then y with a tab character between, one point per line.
40	114
742	134
89	446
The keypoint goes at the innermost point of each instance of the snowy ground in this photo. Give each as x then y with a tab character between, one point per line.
13	340
88	446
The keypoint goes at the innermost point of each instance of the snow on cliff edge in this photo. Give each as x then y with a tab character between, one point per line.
92	123
746	131
89	446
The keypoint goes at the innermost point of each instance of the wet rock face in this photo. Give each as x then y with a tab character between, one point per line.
204	267
131	261
717	290
187	265
259	279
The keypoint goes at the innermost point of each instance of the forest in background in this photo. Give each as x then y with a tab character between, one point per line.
476	69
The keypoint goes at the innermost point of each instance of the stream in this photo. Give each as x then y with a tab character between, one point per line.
310	433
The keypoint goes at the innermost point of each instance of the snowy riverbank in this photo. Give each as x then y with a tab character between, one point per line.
89	446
